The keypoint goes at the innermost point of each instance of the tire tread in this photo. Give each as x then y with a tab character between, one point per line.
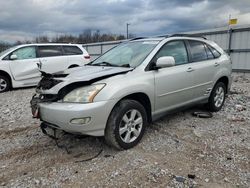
110	136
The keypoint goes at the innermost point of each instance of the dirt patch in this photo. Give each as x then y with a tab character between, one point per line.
179	150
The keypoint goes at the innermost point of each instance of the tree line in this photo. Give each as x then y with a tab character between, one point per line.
87	36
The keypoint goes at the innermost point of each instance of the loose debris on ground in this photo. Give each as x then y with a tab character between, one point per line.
179	150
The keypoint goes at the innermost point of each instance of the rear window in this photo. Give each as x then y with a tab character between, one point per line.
214	52
49	51
210	55
72	50
198	51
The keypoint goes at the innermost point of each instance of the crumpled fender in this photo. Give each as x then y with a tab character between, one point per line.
82	76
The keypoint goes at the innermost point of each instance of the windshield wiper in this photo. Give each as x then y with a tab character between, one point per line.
125	65
104	63
90	63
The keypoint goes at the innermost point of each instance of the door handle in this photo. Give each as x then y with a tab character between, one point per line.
216	64
190	69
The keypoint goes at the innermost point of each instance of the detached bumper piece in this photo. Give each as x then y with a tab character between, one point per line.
53	136
34	106
36	99
44	126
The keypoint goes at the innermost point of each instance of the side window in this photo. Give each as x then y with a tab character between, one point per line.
175	49
72	50
215	52
49	51
198	51
25	53
209	52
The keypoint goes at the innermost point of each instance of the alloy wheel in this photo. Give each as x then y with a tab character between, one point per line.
219	97
131	126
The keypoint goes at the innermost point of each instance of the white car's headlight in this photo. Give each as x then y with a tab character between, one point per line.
83	94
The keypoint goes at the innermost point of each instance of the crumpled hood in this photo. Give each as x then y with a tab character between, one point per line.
87	73
79	75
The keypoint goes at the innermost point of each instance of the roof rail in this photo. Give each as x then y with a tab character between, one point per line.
166	36
137	38
188	35
161	36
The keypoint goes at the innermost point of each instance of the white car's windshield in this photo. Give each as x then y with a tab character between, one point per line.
130	54
6	51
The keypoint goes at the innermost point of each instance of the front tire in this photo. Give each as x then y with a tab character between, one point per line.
4	84
217	97
126	124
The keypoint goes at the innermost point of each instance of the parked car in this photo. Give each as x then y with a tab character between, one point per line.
133	84
19	65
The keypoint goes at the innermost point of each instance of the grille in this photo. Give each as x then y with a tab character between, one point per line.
47	83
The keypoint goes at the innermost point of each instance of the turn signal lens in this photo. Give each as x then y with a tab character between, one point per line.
81	121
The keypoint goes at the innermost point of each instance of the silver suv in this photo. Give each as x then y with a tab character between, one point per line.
131	85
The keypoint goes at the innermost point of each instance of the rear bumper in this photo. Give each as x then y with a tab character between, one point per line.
60	115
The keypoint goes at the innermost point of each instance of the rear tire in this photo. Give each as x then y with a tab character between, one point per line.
4	84
217	97
126	124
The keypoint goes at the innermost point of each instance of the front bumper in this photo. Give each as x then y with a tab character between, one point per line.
60	115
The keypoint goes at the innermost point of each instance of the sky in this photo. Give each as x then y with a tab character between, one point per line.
26	19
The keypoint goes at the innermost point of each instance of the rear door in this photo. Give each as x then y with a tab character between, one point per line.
25	68
173	85
204	68
74	55
52	59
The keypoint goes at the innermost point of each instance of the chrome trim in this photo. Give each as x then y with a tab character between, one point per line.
180	90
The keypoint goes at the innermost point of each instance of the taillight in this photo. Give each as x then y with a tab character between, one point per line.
87	56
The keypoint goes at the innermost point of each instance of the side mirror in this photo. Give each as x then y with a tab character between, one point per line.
13	57
165	61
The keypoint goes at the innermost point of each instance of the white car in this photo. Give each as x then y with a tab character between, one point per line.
19	64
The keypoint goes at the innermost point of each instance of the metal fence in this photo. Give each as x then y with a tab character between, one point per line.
235	41
97	49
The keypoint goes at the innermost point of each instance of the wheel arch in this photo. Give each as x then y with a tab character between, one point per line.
143	99
225	80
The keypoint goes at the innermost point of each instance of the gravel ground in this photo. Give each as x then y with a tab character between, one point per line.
177	151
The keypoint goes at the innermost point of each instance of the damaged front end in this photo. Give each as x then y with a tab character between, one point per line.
47	82
53	87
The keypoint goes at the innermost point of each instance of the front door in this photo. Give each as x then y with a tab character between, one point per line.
25	68
173	85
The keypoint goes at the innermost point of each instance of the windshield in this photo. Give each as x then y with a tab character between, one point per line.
6	51
130	54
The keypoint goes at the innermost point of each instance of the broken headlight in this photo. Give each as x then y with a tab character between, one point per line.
83	94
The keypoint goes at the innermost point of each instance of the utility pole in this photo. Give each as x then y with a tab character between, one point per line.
127	29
